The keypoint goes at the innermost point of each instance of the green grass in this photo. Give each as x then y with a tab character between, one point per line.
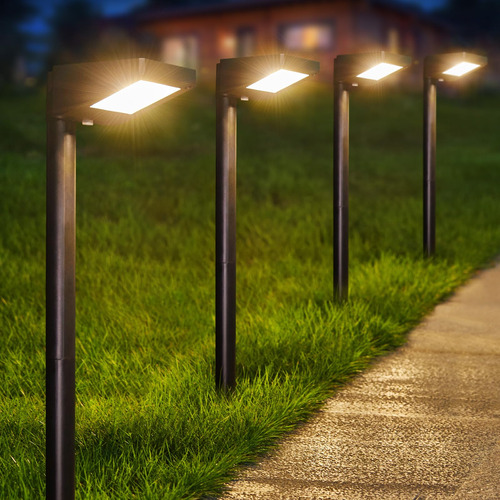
149	423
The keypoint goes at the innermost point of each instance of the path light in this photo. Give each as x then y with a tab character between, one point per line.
240	78
105	93
438	68
350	71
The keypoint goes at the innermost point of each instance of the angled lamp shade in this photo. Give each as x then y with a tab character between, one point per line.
449	67
111	92
369	68
258	76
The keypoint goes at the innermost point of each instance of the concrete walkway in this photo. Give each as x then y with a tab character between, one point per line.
422	423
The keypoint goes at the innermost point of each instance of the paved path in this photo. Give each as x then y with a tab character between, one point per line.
422	423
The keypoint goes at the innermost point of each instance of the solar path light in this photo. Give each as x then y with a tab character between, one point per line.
352	70
239	78
106	93
438	68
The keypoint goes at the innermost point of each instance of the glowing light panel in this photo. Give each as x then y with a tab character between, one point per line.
277	81
379	71
135	97
461	69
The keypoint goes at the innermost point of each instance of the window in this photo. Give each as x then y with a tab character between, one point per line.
226	44
369	30
307	36
393	40
181	50
245	42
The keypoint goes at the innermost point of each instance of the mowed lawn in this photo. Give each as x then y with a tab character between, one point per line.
150	424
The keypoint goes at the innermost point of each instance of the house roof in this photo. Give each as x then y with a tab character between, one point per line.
151	13
148	14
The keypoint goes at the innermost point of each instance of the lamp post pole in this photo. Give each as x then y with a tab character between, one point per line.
340	191
74	96
350	70
225	222
60	302
429	177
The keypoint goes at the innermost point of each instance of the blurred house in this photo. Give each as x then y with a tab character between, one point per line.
199	36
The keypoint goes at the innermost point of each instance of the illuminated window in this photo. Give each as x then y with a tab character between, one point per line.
310	36
226	45
181	50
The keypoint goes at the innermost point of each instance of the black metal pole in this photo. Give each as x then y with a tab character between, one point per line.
340	192
225	222
60	310
429	177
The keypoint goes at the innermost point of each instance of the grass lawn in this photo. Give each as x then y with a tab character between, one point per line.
149	422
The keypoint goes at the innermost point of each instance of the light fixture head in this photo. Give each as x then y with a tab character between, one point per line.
113	91
452	66
368	68
245	77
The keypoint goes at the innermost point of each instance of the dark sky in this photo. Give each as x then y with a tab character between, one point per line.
39	24
425	4
45	8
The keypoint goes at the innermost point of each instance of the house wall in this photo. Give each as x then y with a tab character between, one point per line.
316	30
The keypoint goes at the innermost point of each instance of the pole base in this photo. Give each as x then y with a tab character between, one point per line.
60	429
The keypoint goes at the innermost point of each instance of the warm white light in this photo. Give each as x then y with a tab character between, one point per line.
379	71
460	69
277	81
135	97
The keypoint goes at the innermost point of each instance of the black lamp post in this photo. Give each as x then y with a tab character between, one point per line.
105	93
350	71
238	79
438	68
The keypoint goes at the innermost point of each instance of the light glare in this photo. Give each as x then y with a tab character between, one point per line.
135	97
277	81
379	71
461	69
